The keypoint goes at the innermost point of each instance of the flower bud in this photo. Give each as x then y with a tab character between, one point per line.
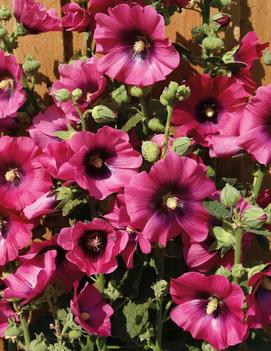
267	210
139	92
120	96
255	217
76	94
222	20
160	288
220	3
267	58
13	330
62	95
74	334
156	125
20	30
182	146
223	271
213	43
31	65
103	114
200	32
169	94
238	270
207	347
229	195
150	151
5	13
38	344
3	32
183	92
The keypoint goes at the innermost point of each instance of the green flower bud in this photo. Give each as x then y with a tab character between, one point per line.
256	269
238	270
183	92
229	195
139	92
220	3
74	334
267	210
213	43
20	31
103	114
150	151
255	217
156	125
160	288
76	94
120	96
31	65
223	271
13	330
38	344
169	94
5	13
207	347
182	146
62	95
224	239
267	58
3	32
200	32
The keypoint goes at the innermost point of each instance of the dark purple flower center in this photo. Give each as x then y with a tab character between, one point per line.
208	110
170	198
138	43
7	83
3	226
95	163
266	283
10	174
93	242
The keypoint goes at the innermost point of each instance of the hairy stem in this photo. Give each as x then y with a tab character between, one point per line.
238	248
167	131
26	333
205	11
100	282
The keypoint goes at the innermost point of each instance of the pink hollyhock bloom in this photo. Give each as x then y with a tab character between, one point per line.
12	95
96	6
44	205
85	76
170	199
93	246
121	221
65	273
34	16
249	51
6	313
22	180
213	109
90	311
31	279
255	126
210	308
179	3
103	162
132	40
15	234
76	18
46	124
258	301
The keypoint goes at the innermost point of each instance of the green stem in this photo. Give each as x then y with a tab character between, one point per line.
205	11
101	344
257	183
100	282
88	40
167	131
238	248
26	333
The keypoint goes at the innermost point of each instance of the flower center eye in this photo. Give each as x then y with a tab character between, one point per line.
85	316
95	242
172	203
12	175
266	283
3	224
209	111
212	305
96	161
6	84
139	46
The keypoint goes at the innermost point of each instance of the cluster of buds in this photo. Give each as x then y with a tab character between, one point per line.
173	93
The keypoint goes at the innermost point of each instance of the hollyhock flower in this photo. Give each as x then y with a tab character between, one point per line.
93	246
46	124
90	311
179	3
170	199
103	162
22	180
6	313
85	76
15	234
255	126
132	40
210	308
31	279
121	221
34	16
96	6
76	18
259	310
44	205
249	51
65	273
213	109
12	95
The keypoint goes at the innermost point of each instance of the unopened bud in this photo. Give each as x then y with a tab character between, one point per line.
183	92
120	96
222	20
156	125
38	344
169	94
238	270
220	3
255	217
13	330
182	146
31	65
160	288
200	32
76	94
213	43
267	58
3	32
62	95
103	114
139	92
229	195
5	13
150	151
74	334
20	30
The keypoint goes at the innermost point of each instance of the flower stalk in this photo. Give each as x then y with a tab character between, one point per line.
167	131
257	183
26	333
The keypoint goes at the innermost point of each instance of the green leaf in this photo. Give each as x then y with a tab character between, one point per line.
217	209
70	205
136	318
132	122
